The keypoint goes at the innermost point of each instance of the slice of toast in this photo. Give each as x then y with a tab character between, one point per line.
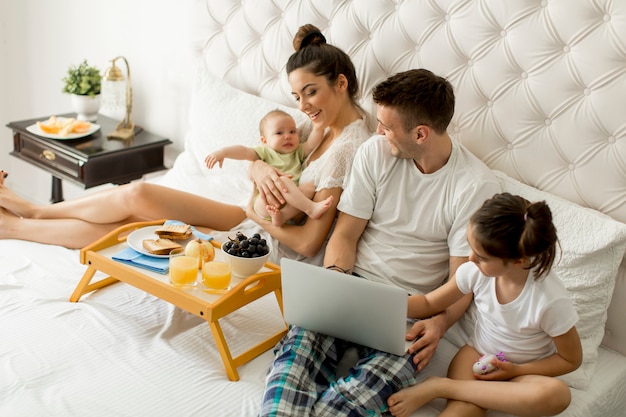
160	246
174	231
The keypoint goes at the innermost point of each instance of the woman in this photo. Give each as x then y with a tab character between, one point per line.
323	82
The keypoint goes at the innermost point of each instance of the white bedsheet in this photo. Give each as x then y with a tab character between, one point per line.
120	352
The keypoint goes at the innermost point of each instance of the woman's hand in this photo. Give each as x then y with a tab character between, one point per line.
267	181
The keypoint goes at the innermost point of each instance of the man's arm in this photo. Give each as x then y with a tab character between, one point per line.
341	248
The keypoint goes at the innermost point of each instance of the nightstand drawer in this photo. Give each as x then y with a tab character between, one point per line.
47	157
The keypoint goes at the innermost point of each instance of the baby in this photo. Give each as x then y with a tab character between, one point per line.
281	148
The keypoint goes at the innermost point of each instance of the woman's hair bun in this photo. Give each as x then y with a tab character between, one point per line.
308	35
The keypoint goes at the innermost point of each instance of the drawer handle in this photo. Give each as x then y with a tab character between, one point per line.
49	155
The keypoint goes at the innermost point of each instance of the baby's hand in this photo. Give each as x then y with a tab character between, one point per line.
213	158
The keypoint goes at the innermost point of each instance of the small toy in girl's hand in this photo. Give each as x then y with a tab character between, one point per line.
484	366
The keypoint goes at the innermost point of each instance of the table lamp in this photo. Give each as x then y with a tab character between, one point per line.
113	90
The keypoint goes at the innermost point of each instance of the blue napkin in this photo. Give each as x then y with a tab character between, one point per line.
195	231
132	257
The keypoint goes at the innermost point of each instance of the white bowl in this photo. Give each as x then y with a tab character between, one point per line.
244	267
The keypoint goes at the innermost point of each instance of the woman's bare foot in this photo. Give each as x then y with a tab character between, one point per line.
318	208
407	400
12	202
6	220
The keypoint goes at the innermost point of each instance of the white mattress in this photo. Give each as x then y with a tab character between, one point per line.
120	352
117	352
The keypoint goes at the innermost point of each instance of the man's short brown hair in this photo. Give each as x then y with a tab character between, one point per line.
420	98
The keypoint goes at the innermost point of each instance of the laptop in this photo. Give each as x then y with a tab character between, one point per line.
345	306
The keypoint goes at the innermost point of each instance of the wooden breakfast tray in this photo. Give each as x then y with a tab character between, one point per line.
210	307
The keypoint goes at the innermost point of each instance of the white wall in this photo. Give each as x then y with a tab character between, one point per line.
39	40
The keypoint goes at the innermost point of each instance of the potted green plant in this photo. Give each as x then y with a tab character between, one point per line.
83	82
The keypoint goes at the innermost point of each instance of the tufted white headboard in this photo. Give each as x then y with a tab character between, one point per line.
540	84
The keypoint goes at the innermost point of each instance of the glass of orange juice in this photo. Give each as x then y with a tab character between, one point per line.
183	269
216	276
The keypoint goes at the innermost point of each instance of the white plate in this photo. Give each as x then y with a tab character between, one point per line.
135	240
35	129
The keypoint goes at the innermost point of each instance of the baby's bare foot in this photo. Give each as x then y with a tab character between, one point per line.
407	400
319	208
277	217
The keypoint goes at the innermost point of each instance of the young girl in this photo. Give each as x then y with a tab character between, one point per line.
523	311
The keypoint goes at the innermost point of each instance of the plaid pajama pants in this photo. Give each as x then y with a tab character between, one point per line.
302	380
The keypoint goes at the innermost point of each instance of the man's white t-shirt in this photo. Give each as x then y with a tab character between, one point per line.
416	221
523	328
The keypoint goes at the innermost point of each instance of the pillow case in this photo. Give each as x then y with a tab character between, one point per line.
220	116
592	248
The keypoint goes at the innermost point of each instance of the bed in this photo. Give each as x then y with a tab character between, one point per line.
541	98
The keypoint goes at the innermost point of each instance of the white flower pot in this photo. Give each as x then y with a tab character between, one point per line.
86	107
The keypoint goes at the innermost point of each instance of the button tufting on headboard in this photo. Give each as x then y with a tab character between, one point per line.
541	91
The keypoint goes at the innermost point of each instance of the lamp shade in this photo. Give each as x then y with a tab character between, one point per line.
113	95
118	94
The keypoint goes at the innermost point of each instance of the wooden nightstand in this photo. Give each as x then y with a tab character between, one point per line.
92	160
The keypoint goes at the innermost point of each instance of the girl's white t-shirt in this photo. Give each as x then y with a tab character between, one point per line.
523	328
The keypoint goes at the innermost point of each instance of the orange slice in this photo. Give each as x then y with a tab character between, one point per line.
48	128
80	126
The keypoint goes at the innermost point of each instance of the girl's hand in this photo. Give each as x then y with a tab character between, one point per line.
267	181
429	332
504	371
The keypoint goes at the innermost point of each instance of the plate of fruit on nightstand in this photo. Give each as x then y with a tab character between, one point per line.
63	128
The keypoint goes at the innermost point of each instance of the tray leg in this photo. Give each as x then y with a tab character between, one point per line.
231	364
222	347
84	285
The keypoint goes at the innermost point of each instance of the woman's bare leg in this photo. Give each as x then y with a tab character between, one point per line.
89	217
134	202
71	233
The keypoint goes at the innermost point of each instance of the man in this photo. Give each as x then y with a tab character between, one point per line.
403	218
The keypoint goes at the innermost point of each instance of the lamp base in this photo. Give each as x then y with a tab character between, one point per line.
123	134
125	130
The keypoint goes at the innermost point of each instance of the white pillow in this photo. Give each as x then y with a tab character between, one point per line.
220	116
592	246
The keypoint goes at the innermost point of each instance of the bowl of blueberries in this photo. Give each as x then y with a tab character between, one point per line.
246	256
